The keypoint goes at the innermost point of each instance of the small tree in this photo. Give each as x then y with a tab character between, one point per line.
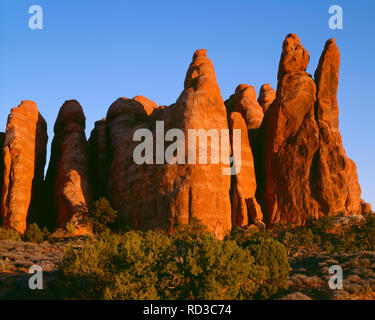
9	234
34	234
102	215
270	253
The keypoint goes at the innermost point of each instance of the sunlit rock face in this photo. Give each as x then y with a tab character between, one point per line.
266	96
24	157
291	142
338	187
160	196
289	164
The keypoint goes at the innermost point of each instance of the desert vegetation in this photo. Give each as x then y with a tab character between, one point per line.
250	263
190	264
329	235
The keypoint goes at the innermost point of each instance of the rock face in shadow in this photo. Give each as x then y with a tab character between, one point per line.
67	175
291	142
159	196
245	208
266	96
24	156
338	188
99	159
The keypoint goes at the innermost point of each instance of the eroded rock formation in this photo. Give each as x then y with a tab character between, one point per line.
24	156
291	142
338	187
246	103
99	159
162	195
67	175
125	113
245	208
307	173
2	137
266	96
294	57
292	162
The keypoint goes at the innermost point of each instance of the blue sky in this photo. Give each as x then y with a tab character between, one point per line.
97	51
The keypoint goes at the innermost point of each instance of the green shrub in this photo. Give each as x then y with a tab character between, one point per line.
308	238
272	255
144	267
193	230
293	243
328	247
212	269
102	215
190	264
240	235
297	239
34	234
355	236
365	233
322	225
116	266
323	235
9	234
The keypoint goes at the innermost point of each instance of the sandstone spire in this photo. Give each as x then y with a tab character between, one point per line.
159	196
245	208
99	159
338	186
24	156
266	96
291	141
67	175
246	103
2	137
294	56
